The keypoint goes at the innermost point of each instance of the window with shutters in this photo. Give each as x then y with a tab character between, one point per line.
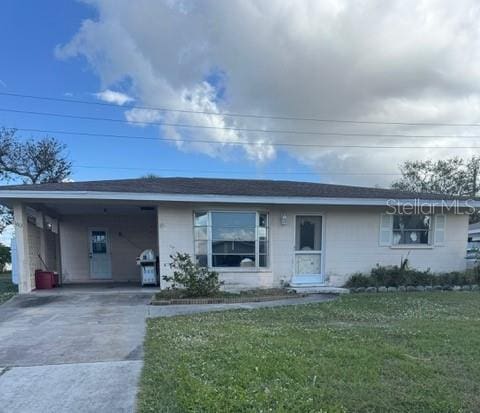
412	229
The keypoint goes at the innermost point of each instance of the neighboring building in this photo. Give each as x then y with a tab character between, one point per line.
473	247
255	233
474	232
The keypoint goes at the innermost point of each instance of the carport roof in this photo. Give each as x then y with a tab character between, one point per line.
182	187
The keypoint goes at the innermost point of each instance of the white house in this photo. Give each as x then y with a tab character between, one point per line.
255	233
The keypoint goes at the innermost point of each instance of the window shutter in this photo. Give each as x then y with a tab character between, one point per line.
386	227
439	233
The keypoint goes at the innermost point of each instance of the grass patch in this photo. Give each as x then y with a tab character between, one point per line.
7	288
181	294
362	353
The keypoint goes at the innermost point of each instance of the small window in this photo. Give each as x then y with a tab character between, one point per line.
411	229
99	242
308	233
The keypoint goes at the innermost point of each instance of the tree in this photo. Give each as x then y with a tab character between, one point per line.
150	176
33	161
30	161
5	257
454	176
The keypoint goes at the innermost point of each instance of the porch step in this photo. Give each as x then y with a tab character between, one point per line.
318	289
308	280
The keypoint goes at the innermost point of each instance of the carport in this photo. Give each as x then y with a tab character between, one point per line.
84	241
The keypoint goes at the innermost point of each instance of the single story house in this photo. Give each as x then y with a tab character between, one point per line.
255	233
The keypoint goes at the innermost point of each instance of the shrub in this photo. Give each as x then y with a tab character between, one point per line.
358	280
395	276
194	280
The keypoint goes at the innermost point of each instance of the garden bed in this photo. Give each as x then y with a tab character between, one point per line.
414	288
176	297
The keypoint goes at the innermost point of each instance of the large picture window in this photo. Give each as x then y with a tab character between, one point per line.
411	229
231	239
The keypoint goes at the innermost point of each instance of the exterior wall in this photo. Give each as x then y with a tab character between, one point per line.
129	235
350	243
175	233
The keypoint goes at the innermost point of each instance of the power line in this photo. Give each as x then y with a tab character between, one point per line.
236	142
177	125
342	134
130	168
242	115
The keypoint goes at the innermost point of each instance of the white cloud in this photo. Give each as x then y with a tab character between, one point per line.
2	83
404	60
142	116
111	96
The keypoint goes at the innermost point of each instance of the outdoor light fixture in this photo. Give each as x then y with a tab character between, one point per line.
283	219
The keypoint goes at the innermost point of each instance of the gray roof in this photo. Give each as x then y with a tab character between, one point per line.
241	187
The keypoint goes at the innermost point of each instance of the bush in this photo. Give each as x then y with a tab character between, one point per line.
194	280
395	276
358	280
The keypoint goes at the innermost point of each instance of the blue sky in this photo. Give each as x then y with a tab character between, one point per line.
29	32
401	62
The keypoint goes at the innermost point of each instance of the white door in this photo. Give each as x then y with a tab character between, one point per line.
99	254
308	249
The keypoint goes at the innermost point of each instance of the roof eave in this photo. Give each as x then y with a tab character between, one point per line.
242	199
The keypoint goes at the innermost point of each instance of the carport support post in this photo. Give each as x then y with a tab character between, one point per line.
43	241
20	221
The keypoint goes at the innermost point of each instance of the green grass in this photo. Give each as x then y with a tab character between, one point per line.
417	352
7	288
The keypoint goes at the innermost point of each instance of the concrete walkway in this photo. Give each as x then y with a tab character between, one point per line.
82	351
173	310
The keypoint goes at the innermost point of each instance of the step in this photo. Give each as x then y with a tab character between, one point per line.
298	280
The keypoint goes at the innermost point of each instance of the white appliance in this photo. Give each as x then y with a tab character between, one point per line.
147	263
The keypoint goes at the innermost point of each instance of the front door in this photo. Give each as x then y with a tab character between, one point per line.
308	249
99	254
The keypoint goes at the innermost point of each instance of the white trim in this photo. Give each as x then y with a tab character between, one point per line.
412	247
242	199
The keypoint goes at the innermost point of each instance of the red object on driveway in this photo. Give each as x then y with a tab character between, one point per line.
44	280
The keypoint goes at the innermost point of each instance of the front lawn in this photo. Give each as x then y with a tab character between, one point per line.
417	352
7	288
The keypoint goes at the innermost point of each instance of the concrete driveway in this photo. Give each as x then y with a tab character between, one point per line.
78	352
